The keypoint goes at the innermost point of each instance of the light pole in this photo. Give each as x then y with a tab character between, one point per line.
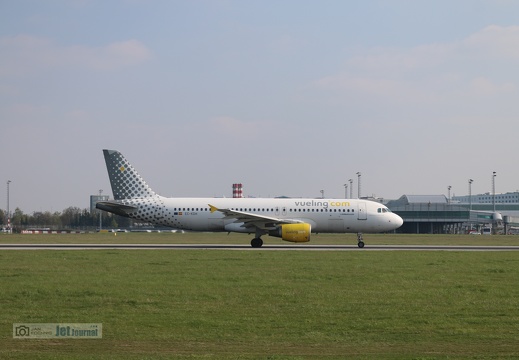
100	212
351	188
470	194
8	214
470	201
322	194
358	184
449	198
345	191
494	190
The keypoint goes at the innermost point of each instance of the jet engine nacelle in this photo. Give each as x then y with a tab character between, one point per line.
293	232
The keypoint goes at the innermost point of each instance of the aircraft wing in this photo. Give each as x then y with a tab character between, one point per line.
252	220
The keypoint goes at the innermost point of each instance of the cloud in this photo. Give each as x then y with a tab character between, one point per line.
109	57
390	89
490	42
385	59
286	43
496	42
482	86
233	127
24	54
430	73
25	112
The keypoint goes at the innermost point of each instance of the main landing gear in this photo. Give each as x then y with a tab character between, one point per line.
256	242
359	239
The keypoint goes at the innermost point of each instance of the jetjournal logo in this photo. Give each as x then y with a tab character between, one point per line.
57	330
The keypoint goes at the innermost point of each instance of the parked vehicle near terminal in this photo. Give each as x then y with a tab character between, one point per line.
487	230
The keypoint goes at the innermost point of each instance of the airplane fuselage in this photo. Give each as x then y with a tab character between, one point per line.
324	215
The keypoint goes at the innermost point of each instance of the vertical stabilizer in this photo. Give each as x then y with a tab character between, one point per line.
126	182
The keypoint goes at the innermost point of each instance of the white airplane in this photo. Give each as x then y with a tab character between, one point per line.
289	219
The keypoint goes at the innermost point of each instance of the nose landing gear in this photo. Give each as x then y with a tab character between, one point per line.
360	243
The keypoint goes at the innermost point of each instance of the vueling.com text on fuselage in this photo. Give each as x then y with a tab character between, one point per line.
324	204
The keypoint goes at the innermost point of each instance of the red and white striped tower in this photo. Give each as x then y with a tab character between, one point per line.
237	190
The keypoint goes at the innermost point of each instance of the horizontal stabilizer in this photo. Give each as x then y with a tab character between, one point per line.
116	208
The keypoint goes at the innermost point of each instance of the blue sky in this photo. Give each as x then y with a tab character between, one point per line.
286	97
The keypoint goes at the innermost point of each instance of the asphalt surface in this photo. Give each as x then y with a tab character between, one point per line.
249	248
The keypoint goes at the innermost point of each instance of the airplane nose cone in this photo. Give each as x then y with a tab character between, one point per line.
398	221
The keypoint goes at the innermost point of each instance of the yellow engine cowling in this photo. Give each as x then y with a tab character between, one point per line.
293	232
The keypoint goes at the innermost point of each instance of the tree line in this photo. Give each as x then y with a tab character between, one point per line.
72	218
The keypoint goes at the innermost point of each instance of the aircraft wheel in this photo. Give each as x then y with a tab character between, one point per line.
256	242
361	244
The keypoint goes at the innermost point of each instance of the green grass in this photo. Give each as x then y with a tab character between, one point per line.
263	304
234	238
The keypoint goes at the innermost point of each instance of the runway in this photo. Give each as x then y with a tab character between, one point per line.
249	248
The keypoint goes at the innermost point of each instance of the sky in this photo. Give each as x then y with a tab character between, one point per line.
287	97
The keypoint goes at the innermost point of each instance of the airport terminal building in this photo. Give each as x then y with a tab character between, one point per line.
436	214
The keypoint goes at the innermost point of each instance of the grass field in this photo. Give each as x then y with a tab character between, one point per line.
263	304
235	238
